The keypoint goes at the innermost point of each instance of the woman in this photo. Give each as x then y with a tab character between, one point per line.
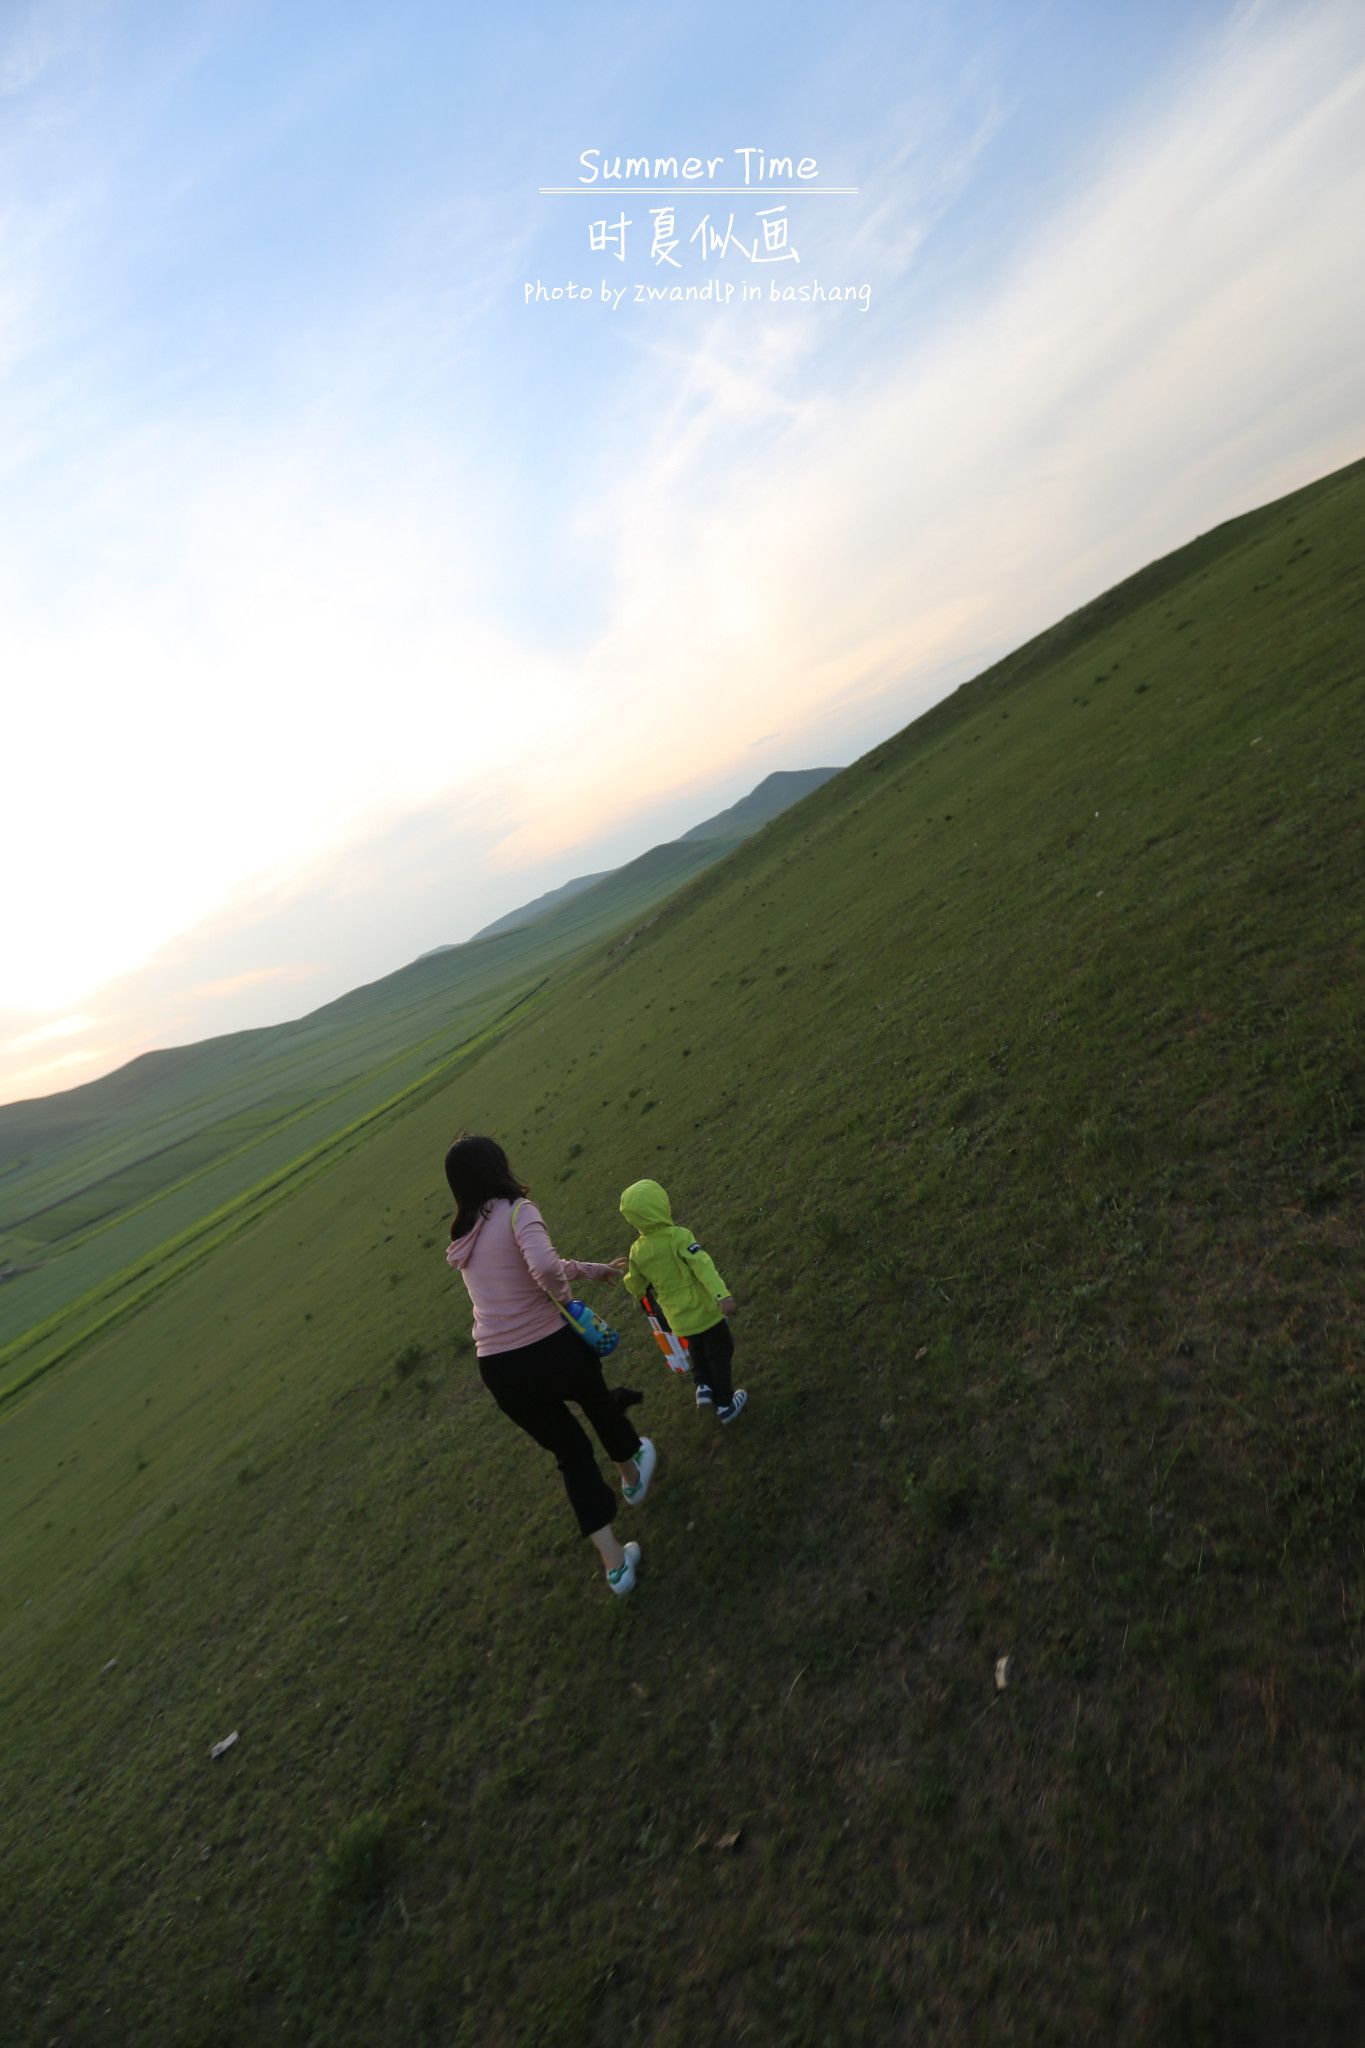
531	1361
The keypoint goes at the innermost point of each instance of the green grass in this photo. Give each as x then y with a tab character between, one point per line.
1013	1081
97	1180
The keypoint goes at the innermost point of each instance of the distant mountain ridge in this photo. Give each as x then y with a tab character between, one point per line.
528	912
776	793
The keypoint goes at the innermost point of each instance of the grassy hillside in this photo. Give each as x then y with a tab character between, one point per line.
110	1187
677	860
527	913
1014	1083
775	794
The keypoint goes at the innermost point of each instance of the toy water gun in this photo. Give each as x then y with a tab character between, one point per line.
673	1346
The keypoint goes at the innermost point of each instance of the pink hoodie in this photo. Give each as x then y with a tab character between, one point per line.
509	1271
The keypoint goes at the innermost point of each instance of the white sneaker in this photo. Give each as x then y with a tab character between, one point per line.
736	1402
623	1578
646	1458
704	1399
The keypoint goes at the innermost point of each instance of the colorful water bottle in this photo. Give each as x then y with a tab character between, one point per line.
590	1327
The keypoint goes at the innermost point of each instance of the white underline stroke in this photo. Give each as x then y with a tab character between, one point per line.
691	191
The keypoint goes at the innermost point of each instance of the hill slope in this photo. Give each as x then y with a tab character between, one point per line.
527	913
104	1184
1014	1083
775	794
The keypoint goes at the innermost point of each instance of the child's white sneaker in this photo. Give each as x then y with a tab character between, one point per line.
646	1458
623	1578
704	1398
733	1406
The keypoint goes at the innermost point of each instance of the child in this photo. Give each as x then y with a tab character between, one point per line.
667	1261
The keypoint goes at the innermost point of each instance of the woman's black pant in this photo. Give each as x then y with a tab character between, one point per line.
534	1384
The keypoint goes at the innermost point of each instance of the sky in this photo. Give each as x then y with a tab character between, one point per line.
355	588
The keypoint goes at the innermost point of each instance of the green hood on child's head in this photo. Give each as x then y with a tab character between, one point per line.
645	1206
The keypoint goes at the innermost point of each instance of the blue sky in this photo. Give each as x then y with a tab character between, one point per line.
332	573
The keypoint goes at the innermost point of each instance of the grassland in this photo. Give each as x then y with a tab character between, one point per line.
107	1189
1013	1080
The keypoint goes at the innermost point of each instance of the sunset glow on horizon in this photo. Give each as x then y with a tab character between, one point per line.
349	599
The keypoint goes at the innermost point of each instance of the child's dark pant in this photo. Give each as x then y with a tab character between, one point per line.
533	1384
710	1352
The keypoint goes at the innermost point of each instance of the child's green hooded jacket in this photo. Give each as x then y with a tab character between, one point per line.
667	1258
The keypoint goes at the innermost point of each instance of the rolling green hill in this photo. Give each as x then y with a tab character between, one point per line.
107	1188
1013	1081
775	794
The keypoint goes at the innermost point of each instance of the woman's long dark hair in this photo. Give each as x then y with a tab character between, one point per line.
478	1173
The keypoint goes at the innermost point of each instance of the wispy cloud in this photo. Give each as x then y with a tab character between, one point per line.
36	38
277	704
1181	338
60	1027
252	978
67	1070
283	942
